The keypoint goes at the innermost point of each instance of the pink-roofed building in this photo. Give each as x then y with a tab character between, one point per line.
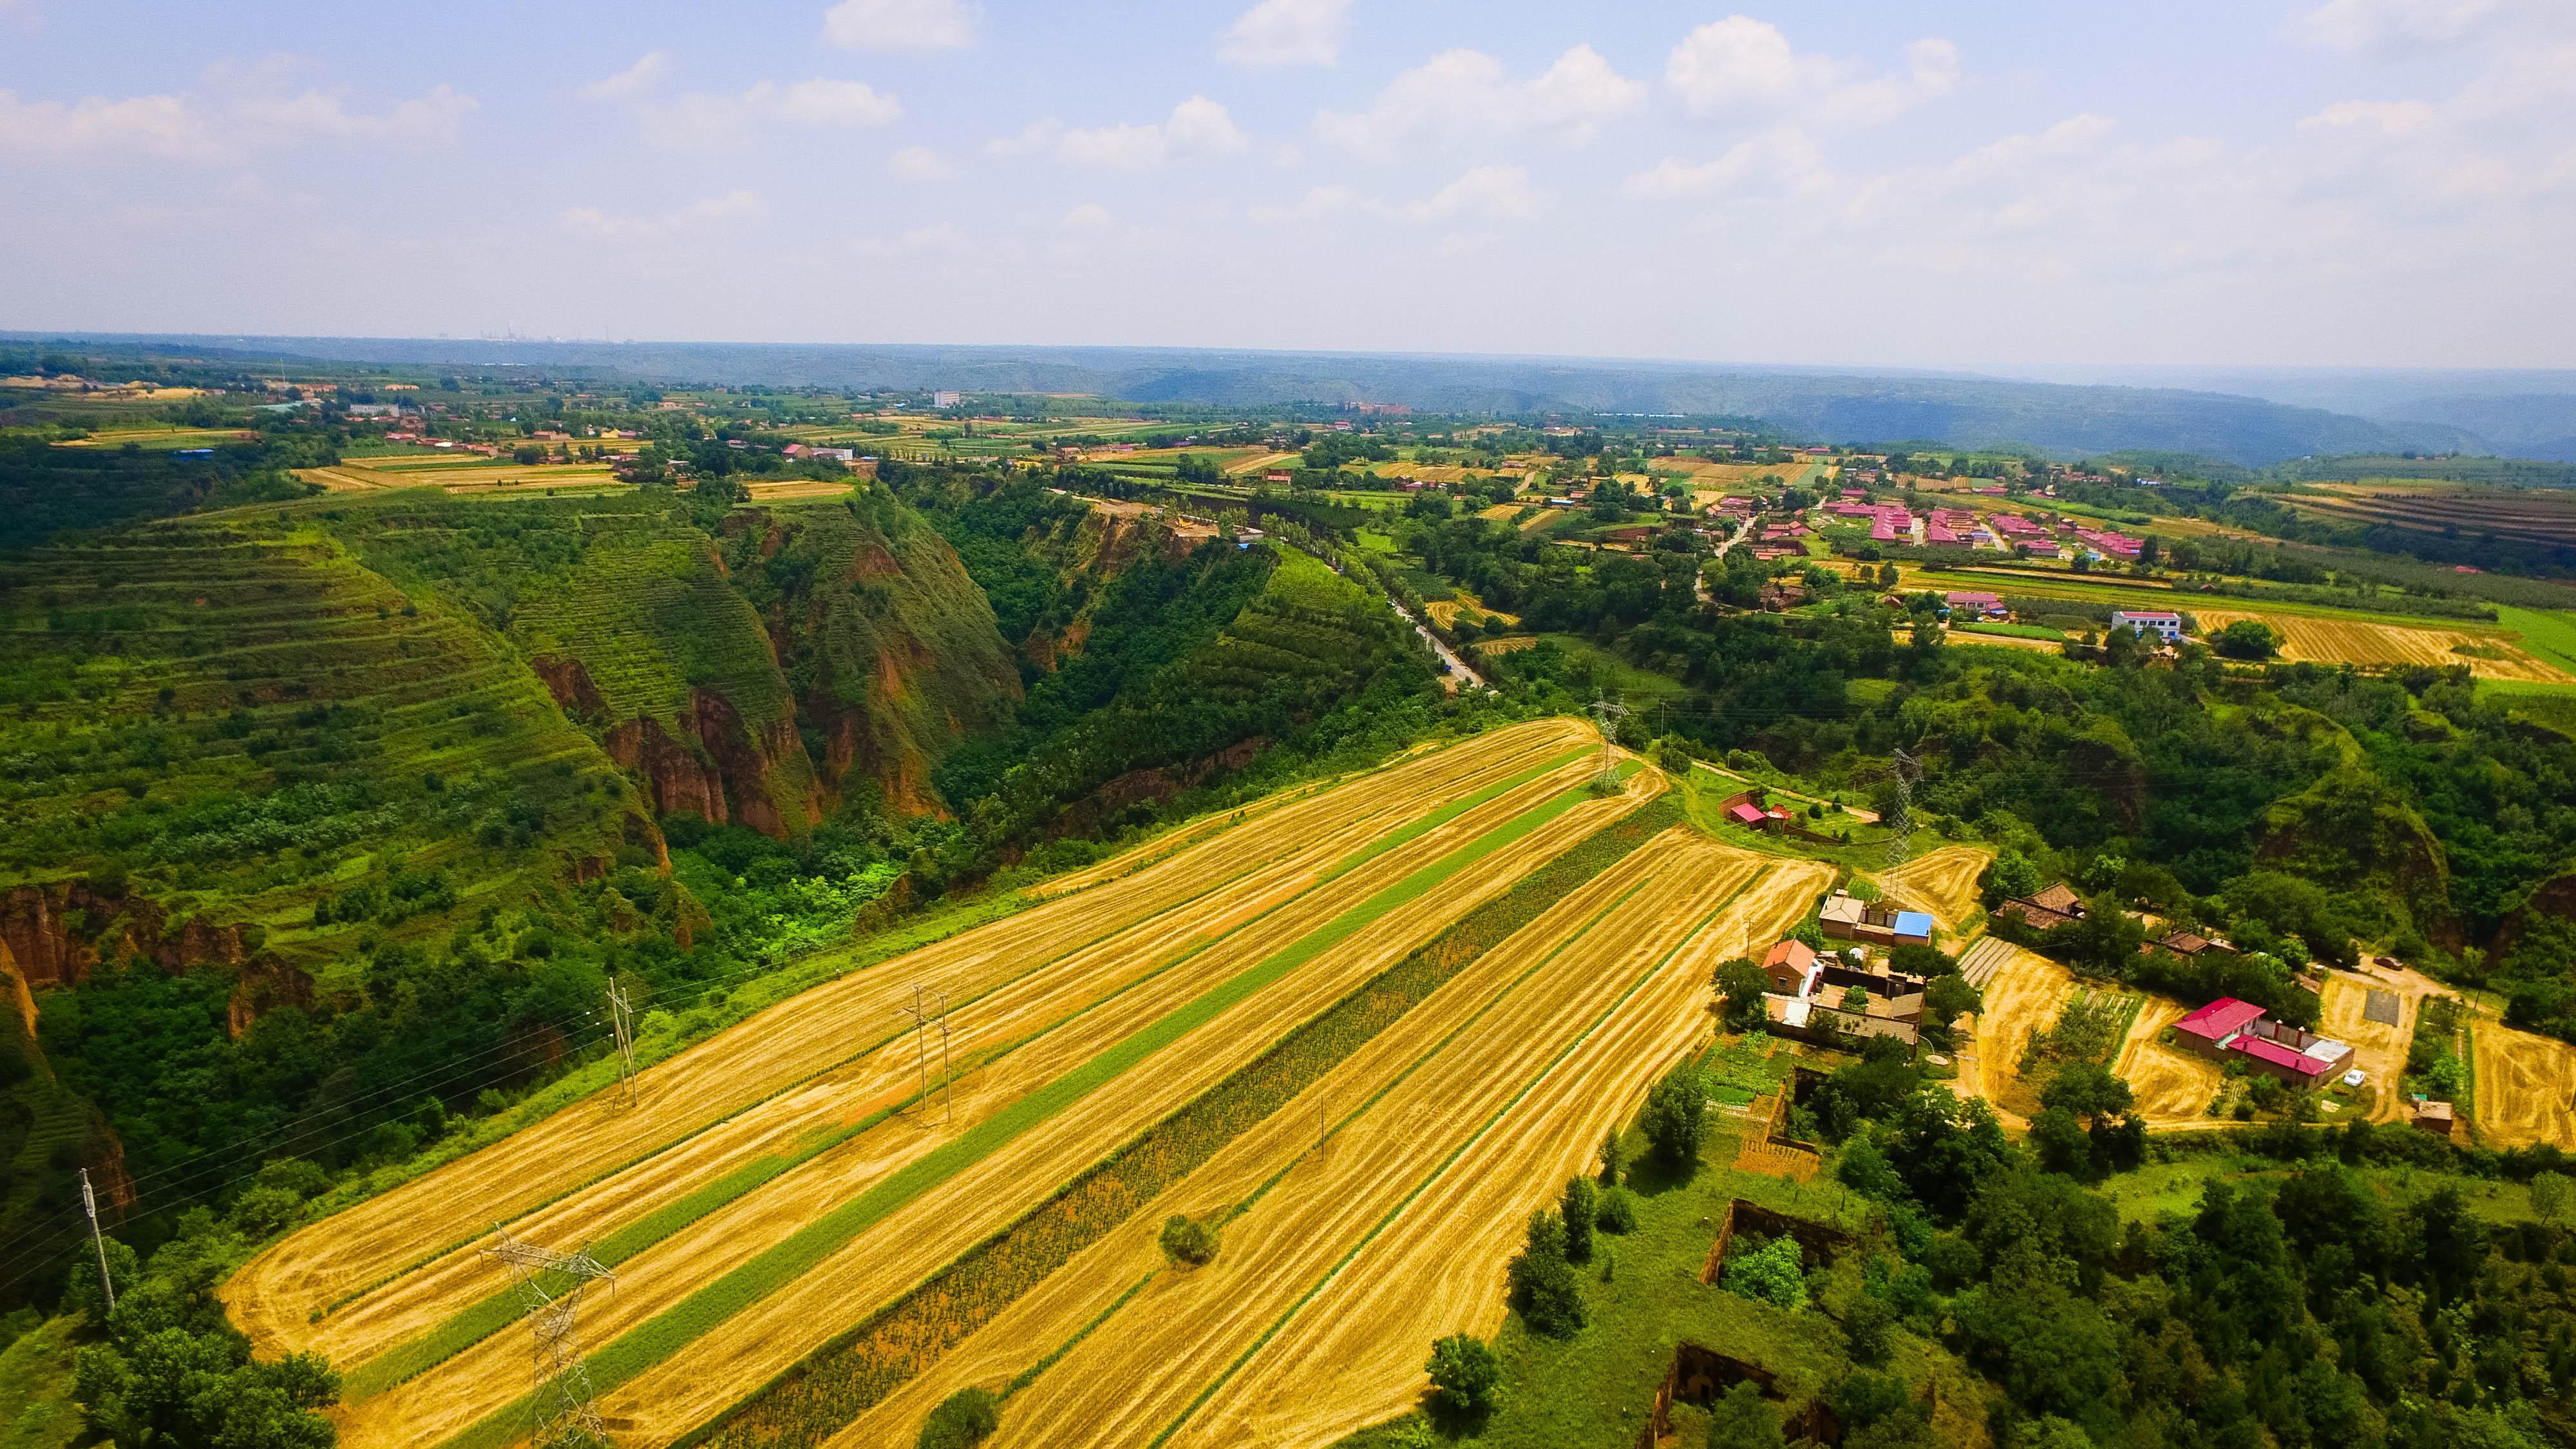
2209	1030
2013	526
1989	605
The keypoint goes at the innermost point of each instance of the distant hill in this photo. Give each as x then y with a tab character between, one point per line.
2066	420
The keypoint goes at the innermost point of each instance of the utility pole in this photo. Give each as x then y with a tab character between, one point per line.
923	1012
621	1021
89	1204
1605	711
560	1410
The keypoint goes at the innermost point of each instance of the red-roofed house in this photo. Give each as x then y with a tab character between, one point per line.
2210	1029
1989	605
1792	967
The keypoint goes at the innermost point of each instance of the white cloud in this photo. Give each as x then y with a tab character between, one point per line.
2378	24
1288	32
194	128
428	120
920	163
1781	162
1483	193
2393	118
703	121
1487	193
636	80
698	217
1196	127
1743	68
1318	203
900	24
1462	95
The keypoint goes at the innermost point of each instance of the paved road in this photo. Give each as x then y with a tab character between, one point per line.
1458	670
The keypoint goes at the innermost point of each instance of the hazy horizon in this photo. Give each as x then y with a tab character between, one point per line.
2296	184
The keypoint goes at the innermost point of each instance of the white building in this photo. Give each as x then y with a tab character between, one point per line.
2167	627
943	399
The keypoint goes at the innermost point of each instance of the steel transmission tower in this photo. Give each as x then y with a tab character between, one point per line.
1907	770
1607	712
926	1008
560	1409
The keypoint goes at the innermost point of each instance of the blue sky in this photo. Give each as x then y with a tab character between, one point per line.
2319	182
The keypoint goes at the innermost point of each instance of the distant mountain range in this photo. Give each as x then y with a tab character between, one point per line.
2252	417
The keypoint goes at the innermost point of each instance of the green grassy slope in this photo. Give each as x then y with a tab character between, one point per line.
230	721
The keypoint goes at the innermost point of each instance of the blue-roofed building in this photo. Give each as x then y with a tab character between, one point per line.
1911	928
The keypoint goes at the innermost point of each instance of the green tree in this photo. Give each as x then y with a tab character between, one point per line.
1675	1119
964	1419
1741	984
1188	1241
1773	1273
1580	1210
2009	874
1466	1377
2549	1196
2246	639
1614	1154
1542	1283
1742	1419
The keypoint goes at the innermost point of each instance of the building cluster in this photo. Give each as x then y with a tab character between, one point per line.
2229	1030
1820	995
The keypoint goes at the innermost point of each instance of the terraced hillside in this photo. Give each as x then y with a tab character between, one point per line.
801	1230
222	725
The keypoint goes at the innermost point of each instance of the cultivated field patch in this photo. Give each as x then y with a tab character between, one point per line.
2355	641
2173	1087
2526	1087
1943	882
2378	1047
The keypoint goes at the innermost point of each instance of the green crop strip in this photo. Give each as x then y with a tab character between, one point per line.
1446	1163
659	1337
845	1378
489	1316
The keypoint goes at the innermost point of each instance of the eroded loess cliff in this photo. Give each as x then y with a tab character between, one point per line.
891	652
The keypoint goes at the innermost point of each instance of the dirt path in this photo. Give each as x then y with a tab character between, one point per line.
747	1349
2526	1087
1145	972
1522	1007
2378	1048
275	1296
2174	1088
1943	882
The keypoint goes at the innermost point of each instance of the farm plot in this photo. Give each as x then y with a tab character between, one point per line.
1350	1355
2358	641
2023	995
666	1395
760	1245
2526	1091
2378	1046
277	1295
1014	1040
1943	882
1455	1100
2173	1087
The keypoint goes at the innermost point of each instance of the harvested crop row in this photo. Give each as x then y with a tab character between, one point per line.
2355	641
1943	882
846	1190
2526	1087
2173	1088
274	1296
1212	935
2022	997
737	1341
1446	1074
1351	1354
1450	980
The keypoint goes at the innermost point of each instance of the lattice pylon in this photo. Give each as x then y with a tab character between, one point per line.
560	1408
